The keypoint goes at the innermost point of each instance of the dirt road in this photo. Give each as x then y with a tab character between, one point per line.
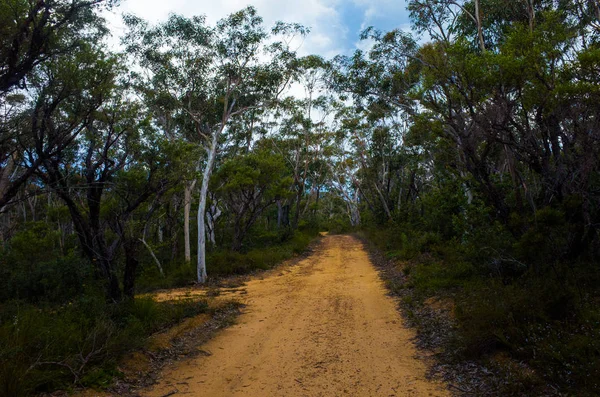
323	327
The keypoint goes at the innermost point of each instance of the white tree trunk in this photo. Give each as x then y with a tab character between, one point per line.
355	215
208	168
160	268
354	210
187	208
161	237
479	26
383	201
215	213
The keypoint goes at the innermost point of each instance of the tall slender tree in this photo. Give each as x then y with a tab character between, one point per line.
214	75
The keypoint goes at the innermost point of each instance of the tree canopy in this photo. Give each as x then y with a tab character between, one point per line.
474	140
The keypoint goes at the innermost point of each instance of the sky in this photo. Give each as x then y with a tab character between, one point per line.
335	24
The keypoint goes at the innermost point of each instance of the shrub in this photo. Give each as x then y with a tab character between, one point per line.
33	267
545	315
226	263
45	348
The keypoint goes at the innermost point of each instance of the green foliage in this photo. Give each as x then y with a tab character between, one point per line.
29	38
435	276
545	316
225	263
267	251
472	158
43	348
540	321
34	268
249	185
551	235
260	168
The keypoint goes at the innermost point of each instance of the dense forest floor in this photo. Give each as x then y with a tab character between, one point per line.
321	327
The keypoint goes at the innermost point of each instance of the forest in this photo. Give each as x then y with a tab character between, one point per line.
467	151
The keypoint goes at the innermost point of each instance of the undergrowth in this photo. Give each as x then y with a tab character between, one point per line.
537	326
46	347
266	253
57	330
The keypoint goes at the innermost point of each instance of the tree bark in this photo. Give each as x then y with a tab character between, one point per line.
384	203
6	174
160	269
187	207
208	168
479	26
279	214
212	216
298	202
131	265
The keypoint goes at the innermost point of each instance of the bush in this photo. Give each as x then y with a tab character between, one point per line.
277	248
225	263
545	315
46	348
33	267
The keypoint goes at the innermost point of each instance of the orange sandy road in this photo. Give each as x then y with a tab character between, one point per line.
324	327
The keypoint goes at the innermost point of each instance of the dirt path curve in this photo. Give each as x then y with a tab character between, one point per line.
324	327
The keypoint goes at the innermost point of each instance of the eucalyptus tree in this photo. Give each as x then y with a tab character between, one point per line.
317	109
301	137
34	32
58	107
34	36
114	169
518	115
248	185
302	134
212	75
378	85
345	182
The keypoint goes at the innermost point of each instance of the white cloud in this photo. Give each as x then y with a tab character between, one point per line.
328	32
364	45
377	11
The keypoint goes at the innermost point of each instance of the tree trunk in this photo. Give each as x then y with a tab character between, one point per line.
187	207
297	210
400	192
355	215
212	216
468	191
238	237
208	168
131	265
94	247
279	214
6	175
384	203
530	14
160	269
479	26
286	215
160	231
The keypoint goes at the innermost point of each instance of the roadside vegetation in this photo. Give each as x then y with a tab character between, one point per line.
105	172
487	198
48	347
529	334
57	329
467	151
